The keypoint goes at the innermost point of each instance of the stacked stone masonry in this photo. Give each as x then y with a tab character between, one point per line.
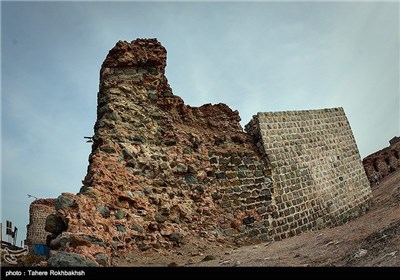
245	192
317	174
384	162
162	172
38	212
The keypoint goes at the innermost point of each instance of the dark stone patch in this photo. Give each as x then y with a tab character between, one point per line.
102	259
120	214
208	258
175	238
200	188
248	220
190	179
160	218
55	224
108	149
261	210
103	210
63	202
191	170
254	232
120	228
137	138
216	196
138	228
213	160
170	142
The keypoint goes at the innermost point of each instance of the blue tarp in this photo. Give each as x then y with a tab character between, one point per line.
41	249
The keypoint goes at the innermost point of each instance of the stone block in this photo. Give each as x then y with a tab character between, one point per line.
248	220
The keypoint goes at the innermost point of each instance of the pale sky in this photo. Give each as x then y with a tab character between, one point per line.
253	56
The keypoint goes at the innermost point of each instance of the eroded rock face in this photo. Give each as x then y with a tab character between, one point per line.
159	170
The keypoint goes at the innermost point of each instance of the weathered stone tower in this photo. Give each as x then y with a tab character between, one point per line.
38	212
162	172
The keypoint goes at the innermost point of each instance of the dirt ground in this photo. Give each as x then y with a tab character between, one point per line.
370	240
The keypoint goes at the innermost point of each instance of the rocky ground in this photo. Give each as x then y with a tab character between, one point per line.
371	240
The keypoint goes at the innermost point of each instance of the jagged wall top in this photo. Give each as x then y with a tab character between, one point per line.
139	52
150	57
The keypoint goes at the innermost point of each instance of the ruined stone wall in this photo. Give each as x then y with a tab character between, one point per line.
317	174
161	172
38	212
383	162
243	184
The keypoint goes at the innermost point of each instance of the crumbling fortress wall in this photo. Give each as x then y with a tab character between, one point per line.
162	172
383	162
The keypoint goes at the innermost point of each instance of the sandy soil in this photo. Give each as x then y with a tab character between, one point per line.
370	240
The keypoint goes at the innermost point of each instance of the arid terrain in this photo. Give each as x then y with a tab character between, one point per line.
371	240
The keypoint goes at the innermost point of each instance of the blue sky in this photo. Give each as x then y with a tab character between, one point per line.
253	56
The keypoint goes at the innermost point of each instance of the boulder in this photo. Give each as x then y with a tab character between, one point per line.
103	210
102	259
64	202
60	242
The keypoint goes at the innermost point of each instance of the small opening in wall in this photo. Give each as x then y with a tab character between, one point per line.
396	154
375	166
387	161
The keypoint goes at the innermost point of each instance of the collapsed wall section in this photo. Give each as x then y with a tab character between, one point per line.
382	163
318	177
